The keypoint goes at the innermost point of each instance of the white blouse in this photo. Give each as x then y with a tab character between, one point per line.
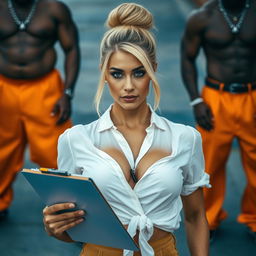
155	200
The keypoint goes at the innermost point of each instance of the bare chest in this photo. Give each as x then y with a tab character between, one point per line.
218	34
39	26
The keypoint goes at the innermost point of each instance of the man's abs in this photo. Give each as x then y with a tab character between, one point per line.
232	65
27	62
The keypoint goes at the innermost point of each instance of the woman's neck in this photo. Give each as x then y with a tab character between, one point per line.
131	118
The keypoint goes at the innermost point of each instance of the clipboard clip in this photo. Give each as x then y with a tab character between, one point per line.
54	171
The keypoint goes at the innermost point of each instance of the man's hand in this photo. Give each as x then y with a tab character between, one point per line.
204	116
63	109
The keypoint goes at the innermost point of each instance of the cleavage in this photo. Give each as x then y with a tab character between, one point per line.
151	157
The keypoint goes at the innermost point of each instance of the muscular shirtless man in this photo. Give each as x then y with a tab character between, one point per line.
35	104
226	108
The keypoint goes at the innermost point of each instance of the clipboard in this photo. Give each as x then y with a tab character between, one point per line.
101	227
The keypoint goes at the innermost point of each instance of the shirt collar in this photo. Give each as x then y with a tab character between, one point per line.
156	120
105	122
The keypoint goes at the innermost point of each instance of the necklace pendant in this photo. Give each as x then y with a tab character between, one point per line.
235	19
22	26
234	30
234	22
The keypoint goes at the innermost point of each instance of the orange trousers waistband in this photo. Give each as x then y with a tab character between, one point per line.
32	81
162	247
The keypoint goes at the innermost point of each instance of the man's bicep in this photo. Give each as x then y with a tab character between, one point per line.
190	47
192	38
67	30
68	36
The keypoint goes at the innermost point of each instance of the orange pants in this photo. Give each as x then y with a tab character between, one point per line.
234	116
25	107
163	247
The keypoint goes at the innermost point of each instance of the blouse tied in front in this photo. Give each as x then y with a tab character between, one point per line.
155	200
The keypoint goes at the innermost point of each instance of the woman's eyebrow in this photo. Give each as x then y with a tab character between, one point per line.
121	70
140	67
116	69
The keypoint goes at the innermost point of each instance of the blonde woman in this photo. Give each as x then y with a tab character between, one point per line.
145	165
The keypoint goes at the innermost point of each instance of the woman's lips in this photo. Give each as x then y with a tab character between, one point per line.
129	98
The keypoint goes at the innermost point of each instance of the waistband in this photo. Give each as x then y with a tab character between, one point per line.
162	242
230	87
156	244
13	81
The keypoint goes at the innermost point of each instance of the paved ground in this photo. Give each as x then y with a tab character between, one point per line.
23	233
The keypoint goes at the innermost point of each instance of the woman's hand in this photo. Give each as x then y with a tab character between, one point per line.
57	223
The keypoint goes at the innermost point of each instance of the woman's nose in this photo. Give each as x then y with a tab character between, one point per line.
128	86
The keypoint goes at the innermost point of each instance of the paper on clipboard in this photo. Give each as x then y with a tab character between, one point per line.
101	227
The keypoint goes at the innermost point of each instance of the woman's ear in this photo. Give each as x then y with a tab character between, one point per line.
106	80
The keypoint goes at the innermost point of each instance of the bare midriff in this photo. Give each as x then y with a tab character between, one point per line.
157	235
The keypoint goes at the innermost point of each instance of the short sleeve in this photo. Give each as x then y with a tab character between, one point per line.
193	173
65	154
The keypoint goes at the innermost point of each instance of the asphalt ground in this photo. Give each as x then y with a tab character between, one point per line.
23	233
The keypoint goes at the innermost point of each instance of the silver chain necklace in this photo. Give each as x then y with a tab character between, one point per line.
234	27
21	24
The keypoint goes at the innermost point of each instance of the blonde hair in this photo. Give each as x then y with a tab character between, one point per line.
129	25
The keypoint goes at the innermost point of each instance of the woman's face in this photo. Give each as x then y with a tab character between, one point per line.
128	80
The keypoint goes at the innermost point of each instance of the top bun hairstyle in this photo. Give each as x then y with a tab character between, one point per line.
129	14
129	30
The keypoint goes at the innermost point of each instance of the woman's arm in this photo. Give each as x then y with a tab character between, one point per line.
56	223
196	223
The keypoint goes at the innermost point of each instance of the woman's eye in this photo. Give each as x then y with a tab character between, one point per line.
139	73
117	75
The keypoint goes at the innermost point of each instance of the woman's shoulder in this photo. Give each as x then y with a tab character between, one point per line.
79	132
73	130
179	128
186	130
182	132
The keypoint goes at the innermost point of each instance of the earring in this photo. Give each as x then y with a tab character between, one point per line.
106	83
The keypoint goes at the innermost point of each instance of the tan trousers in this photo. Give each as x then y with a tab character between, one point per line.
25	107
163	247
234	116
